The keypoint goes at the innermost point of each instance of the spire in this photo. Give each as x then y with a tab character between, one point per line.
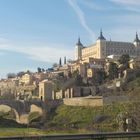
101	37
137	38
79	42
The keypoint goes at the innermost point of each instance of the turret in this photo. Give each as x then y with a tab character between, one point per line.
101	43
136	40
101	37
137	45
78	50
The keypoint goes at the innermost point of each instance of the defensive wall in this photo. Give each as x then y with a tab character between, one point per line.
84	101
94	101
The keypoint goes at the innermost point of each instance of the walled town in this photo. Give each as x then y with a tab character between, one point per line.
97	77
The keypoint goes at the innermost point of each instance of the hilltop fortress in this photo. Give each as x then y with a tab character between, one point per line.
103	48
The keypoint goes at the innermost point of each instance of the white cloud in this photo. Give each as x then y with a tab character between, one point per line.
49	53
127	2
3	40
81	17
131	5
92	5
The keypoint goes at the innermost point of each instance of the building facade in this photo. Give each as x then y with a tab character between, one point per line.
27	79
103	48
45	90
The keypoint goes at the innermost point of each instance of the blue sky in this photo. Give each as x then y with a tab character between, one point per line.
36	33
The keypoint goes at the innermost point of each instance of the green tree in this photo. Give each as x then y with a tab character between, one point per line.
124	59
38	69
55	65
57	85
20	74
100	76
11	75
79	80
60	62
113	70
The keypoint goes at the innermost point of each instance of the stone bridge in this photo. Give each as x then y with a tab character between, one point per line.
23	108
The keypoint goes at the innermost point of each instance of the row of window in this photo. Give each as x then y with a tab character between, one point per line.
89	54
120	51
119	44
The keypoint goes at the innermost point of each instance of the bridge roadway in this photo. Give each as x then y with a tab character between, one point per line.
94	136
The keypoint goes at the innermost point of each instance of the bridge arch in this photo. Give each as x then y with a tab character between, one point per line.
11	108
4	108
35	108
22	109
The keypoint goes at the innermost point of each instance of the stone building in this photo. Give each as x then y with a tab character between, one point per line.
78	66
45	90
103	48
27	79
134	63
38	77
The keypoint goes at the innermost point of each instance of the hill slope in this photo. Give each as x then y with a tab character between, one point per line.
104	118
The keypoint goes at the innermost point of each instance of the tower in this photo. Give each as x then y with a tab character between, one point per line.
137	45
136	40
101	37
45	90
101	44
78	50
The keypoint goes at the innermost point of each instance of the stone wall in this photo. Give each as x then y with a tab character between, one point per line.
112	99
84	101
74	92
94	101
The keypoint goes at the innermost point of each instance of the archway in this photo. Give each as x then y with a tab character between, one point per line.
35	108
7	108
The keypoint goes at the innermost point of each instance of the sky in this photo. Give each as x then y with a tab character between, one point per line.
36	33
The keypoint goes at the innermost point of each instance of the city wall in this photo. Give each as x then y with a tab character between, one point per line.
84	101
94	101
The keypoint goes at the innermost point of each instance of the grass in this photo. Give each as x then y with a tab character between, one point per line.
83	117
33	131
72	119
69	119
20	131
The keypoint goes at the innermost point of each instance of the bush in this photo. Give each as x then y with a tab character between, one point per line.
34	116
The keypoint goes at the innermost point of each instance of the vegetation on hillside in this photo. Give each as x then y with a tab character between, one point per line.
9	123
105	117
